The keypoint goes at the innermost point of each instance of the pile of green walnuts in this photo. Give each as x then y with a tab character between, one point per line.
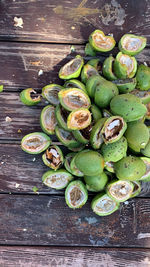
100	115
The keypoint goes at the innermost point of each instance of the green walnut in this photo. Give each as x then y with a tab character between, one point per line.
96	183
92	83
61	115
143	77
79	119
83	136
113	129
120	190
71	69
108	68
87	72
128	106
103	205
130	168
114	151
136	189
125	66
74	98
96	139
48	120
76	194
50	92
89	162
104	93
67	161
95	62
131	44
148	111
146	150
29	97
106	113
53	157
74	83
126	85
66	138
96	113
146	176
100	42
137	135
35	143
143	95
89	51
109	166
74	170
57	179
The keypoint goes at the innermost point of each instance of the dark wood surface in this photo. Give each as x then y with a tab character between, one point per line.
27	219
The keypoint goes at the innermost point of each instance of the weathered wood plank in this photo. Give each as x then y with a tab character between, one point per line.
66	257
46	220
72	21
20	172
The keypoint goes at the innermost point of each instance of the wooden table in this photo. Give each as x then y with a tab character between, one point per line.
39	229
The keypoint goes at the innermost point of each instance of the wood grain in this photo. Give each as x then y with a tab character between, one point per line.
20	172
66	257
66	21
24	61
46	220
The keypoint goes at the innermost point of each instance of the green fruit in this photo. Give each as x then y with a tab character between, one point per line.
100	42
53	157
95	62
29	97
113	129
128	106
92	83
120	190
115	151
74	98
89	51
130	168
79	119
76	194
66	138
143	77
146	176
71	69
137	135
136	189
35	143
108	68
106	113
1	88
57	179
96	182
146	150
90	188
74	83
131	44
96	136
50	92
103	205
87	72
83	136
109	166
104	93
125	66
125	86
61	117
67	161
143	95
148	111
74	170
96	113
90	162
48	120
